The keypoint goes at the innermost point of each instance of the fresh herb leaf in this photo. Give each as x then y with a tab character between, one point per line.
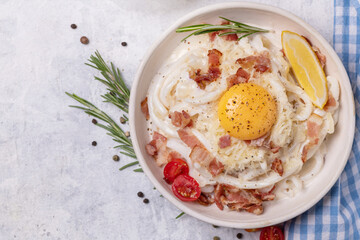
128	165
180	215
242	29
118	95
138	170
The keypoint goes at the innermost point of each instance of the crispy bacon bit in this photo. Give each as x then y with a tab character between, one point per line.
264	142
277	166
331	103
188	137
215	167
174	154
218	195
205	199
145	108
261	63
213	73
313	127
314	123
241	199
151	148
241	76
214	57
157	148
224	141
180	119
202	156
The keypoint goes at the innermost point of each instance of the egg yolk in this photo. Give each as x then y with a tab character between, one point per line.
247	111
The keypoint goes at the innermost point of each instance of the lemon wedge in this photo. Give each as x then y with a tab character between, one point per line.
306	67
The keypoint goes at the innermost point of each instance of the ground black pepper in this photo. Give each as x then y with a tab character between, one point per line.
146	201
94	121
124	44
140	194
84	40
116	158
94	143
73	26
239	235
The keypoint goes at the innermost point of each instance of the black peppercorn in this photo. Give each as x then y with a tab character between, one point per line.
73	26
216	238
116	158
122	120
94	143
140	194
94	121
84	40
239	235
124	44
146	201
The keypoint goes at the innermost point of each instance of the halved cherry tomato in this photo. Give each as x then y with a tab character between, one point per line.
175	168
186	188
272	233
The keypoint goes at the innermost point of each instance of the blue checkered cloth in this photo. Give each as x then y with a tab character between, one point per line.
337	215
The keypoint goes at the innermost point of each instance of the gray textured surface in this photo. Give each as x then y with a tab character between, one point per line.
53	183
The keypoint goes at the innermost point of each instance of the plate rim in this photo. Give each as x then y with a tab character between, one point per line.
132	107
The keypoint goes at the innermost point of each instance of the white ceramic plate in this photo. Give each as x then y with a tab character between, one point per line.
339	144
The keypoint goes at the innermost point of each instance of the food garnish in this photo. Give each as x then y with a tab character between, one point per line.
306	67
232	28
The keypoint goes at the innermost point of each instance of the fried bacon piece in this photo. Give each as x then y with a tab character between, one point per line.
331	103
265	142
180	119
189	138
241	76
313	123
145	108
205	199
224	141
157	148
277	166
202	156
213	73
261	63
241	199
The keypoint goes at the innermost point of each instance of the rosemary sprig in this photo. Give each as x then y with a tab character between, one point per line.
180	215
112	127
234	28
128	165
118	94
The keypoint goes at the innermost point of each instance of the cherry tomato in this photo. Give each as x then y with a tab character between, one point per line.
175	168
272	233
186	188
252	229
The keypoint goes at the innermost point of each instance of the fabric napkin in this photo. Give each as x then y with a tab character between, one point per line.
337	215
